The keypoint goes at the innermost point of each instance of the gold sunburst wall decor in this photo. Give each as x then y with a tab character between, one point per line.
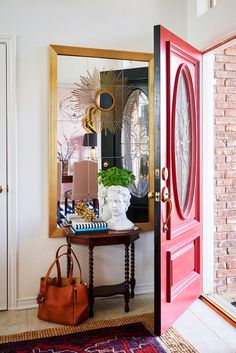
99	99
88	120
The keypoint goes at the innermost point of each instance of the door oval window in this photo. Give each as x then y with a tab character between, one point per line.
184	131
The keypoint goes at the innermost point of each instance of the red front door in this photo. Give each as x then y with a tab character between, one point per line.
178	230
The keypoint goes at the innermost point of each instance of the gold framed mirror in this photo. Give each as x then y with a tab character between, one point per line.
97	116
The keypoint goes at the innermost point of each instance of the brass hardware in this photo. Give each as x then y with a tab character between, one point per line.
166	198
154	195
151	194
165	225
1	189
165	194
165	173
105	164
157	173
157	196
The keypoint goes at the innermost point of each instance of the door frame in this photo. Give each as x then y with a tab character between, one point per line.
208	161
10	42
208	173
208	168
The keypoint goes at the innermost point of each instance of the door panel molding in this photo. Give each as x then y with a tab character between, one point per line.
185	256
170	47
188	225
178	61
185	211
10	42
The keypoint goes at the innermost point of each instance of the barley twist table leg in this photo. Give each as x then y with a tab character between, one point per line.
126	293
91	296
132	277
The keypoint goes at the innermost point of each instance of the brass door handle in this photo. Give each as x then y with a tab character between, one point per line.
105	164
1	189
166	198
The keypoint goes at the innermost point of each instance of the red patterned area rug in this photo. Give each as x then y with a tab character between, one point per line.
133	338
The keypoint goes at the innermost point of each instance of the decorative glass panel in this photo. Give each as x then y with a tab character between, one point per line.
135	141
182	141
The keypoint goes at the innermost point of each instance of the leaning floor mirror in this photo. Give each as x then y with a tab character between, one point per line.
101	116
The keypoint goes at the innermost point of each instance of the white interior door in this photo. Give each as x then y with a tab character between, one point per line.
3	177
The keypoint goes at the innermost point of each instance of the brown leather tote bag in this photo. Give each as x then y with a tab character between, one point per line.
63	300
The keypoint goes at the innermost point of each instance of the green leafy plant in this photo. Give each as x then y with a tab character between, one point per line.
116	176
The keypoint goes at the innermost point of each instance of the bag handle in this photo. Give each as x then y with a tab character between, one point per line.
44	283
75	257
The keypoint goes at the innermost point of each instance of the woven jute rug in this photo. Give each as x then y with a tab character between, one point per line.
172	340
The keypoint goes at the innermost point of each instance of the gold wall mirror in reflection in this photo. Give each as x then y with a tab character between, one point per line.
104	100
101	115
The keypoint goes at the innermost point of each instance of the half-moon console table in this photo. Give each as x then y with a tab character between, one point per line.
94	239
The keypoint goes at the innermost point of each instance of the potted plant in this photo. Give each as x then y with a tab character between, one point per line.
116	176
117	197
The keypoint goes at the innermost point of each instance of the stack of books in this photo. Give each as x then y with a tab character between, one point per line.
79	225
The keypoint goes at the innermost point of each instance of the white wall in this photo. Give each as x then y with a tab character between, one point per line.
211	27
125	25
204	31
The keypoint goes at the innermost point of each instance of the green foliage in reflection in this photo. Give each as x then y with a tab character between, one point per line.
116	176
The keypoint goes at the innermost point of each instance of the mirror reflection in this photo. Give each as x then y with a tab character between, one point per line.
102	121
135	152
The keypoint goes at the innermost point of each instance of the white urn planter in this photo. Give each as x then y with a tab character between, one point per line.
118	198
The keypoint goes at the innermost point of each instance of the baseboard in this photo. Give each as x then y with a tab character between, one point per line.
30	303
146	288
26	303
